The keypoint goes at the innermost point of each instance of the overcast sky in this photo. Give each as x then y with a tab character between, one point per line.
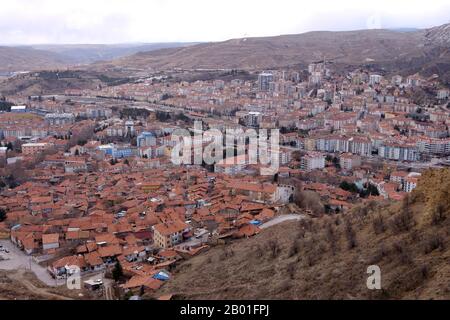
122	21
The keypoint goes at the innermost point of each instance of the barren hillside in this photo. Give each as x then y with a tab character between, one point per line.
27	59
254	53
327	258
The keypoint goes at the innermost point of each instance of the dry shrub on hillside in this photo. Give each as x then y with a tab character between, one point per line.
331	237
309	200
411	252
379	254
378	224
400	248
259	251
295	248
434	242
434	190
350	234
273	248
291	267
337	221
226	253
404	220
306	225
438	215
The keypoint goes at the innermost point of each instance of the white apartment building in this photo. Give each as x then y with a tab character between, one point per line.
375	79
348	161
312	161
411	181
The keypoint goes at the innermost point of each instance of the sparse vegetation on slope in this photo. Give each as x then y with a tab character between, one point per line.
327	258
389	51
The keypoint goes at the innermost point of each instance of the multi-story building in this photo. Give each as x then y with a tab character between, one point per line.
313	160
34	148
397	80
399	177
232	165
250	119
411	181
19	109
75	165
124	151
433	146
3	151
119	151
146	139
349	161
375	79
361	146
400	152
442	94
59	118
169	234
315	77
264	80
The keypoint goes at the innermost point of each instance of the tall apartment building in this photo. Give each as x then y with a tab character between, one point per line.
315	77
398	152
264	80
361	146
434	146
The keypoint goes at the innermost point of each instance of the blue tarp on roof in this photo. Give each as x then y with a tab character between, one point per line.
255	222
161	276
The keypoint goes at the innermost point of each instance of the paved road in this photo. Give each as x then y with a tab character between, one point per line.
17	259
282	218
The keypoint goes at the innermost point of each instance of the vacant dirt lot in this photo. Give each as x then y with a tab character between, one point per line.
16	259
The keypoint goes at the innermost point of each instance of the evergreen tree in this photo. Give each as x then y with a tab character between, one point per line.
117	272
2	215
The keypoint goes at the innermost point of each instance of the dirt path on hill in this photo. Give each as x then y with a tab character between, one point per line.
19	276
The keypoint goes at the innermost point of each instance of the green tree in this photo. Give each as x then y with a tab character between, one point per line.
117	272
349	187
2	214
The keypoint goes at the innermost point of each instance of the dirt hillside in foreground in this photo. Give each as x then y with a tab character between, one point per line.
327	258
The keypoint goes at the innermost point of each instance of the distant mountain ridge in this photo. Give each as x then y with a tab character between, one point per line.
24	59
376	46
39	57
404	49
88	53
